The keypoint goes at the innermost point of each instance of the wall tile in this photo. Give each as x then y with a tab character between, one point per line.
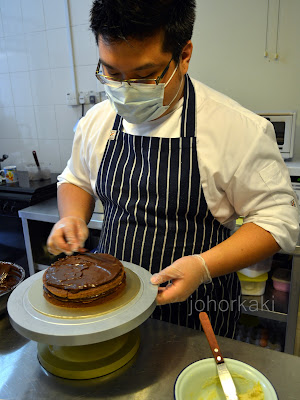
86	79
54	11
100	88
62	84
6	96
3	58
8	124
80	11
13	148
85	48
26	122
58	48
21	89
66	118
37	49
33	15
49	154
65	148
1	25
16	53
46	122
42	87
11	17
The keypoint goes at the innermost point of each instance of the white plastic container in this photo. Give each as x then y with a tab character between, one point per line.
258	269
253	286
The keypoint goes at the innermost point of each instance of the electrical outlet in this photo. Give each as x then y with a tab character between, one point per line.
90	97
94	97
71	99
84	97
81	98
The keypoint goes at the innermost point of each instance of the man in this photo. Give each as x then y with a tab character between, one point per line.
174	163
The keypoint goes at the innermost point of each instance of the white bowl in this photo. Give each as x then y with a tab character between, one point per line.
199	381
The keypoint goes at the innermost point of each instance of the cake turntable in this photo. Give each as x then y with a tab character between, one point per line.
86	342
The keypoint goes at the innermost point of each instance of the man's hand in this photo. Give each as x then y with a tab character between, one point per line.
68	235
186	273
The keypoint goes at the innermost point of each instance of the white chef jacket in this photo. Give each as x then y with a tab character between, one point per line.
241	169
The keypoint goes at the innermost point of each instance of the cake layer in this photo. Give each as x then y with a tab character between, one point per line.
79	272
85	302
80	280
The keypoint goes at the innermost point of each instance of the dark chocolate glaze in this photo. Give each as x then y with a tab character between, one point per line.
79	272
13	276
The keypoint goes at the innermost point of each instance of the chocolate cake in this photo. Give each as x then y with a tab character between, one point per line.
83	280
11	275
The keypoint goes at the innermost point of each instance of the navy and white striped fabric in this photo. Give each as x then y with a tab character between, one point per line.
155	212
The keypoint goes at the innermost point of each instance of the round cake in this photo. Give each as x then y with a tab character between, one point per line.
83	280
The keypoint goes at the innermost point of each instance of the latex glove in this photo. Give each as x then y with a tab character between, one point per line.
186	273
67	235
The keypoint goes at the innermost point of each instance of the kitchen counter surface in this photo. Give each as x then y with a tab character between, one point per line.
165	350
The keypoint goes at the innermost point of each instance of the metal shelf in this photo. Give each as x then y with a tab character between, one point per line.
272	305
285	304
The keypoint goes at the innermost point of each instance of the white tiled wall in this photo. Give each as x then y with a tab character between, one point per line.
35	77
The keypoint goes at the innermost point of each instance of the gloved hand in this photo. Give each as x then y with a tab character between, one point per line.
67	235
186	273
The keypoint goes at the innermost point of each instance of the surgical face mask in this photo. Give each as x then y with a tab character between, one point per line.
139	102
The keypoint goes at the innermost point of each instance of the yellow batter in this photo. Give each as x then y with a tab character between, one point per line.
255	393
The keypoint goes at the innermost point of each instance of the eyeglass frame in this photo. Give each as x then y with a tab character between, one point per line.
157	80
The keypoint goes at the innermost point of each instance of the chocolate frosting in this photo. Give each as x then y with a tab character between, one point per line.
83	272
13	276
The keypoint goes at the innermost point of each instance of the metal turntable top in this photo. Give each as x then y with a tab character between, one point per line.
36	319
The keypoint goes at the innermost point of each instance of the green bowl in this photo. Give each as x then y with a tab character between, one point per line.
200	381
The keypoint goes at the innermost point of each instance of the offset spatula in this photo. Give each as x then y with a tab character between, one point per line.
224	375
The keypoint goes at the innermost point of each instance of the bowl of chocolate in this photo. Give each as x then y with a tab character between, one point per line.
11	275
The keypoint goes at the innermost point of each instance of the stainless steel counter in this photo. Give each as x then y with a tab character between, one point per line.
47	211
165	350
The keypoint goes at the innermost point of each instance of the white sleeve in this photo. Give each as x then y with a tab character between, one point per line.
77	170
261	191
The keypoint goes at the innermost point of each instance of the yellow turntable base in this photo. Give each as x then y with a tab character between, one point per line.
89	361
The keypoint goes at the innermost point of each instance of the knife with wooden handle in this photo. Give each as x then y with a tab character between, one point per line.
224	375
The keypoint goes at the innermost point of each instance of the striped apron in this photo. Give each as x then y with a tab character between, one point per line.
155	212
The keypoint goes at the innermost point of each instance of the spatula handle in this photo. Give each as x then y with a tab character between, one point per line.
211	338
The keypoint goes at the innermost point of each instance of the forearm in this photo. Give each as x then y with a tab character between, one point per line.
74	201
248	245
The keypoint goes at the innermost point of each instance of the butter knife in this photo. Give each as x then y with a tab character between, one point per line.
224	375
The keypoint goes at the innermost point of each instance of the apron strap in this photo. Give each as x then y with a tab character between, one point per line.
188	118
117	124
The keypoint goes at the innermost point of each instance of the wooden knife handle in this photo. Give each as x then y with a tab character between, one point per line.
211	338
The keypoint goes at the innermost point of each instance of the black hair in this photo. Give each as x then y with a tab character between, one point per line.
117	20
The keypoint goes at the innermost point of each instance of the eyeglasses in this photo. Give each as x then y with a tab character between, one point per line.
111	81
